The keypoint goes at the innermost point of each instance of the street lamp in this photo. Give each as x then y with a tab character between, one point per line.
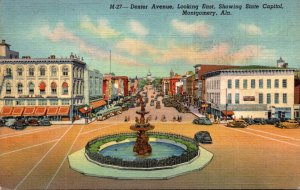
86	112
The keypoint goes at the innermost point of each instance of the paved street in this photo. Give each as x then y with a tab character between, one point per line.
257	157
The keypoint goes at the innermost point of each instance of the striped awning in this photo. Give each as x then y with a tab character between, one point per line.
63	111
29	111
17	111
98	103
40	111
6	111
52	111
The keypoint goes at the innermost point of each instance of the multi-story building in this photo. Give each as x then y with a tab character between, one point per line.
6	52
115	87
169	83
52	87
297	95
263	92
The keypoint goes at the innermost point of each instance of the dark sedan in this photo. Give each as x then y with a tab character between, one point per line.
202	121
203	137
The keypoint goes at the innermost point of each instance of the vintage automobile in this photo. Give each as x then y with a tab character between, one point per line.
272	121
157	106
107	113
202	121
2	122
44	122
249	121
10	122
203	137
259	121
33	121
289	124
152	103
237	124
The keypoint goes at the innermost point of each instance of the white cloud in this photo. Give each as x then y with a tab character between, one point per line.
250	29
60	33
137	28
136	47
197	28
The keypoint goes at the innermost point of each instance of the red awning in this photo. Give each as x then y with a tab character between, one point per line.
29	111
40	111
63	111
98	103
229	112
17	111
6	111
51	111
65	85
82	110
42	86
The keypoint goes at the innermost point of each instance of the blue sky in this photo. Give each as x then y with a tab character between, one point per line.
155	39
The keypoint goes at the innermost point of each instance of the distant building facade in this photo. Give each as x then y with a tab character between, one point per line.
6	52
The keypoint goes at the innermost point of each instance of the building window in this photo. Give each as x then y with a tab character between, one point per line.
229	98
20	88
276	98
269	83
53	102
245	83
65	102
42	71
276	83
8	72
53	71
20	102
42	88
237	98
65	71
237	83
31	72
229	83
8	88
53	88
8	102
284	98
31	88
261	83
252	83
31	102
260	98
284	83
19	71
65	87
268	98
42	102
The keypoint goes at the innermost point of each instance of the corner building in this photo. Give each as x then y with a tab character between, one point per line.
246	93
52	87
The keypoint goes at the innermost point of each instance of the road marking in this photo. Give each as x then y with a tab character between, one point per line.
269	138
42	158
47	187
273	134
29	132
96	129
28	147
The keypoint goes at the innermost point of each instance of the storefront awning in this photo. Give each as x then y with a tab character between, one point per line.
82	110
29	111
229	112
98	103
52	111
6	111
40	111
17	111
63	111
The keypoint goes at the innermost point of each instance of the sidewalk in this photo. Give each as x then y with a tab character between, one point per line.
195	112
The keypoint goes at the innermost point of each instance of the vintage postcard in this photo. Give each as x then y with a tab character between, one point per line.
149	94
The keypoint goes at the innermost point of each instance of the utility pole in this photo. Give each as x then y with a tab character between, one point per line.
226	105
109	61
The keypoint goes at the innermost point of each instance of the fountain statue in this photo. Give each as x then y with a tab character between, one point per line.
142	146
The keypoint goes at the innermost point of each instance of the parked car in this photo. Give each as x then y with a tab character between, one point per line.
289	124
249	121
44	122
203	137
259	121
237	124
273	121
33	121
2	122
10	122
297	119
202	121
157	106
152	103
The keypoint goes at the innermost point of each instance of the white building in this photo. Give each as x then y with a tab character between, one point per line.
251	92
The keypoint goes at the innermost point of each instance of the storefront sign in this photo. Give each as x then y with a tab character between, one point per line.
249	98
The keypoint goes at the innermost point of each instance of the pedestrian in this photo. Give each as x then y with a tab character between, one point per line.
125	119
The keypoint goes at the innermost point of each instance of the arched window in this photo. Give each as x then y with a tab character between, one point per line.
65	71
31	88
8	72
31	72
8	88
42	88
53	88
20	88
53	71
65	88
42	71
19	71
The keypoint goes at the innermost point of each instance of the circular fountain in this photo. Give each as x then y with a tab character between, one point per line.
140	155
